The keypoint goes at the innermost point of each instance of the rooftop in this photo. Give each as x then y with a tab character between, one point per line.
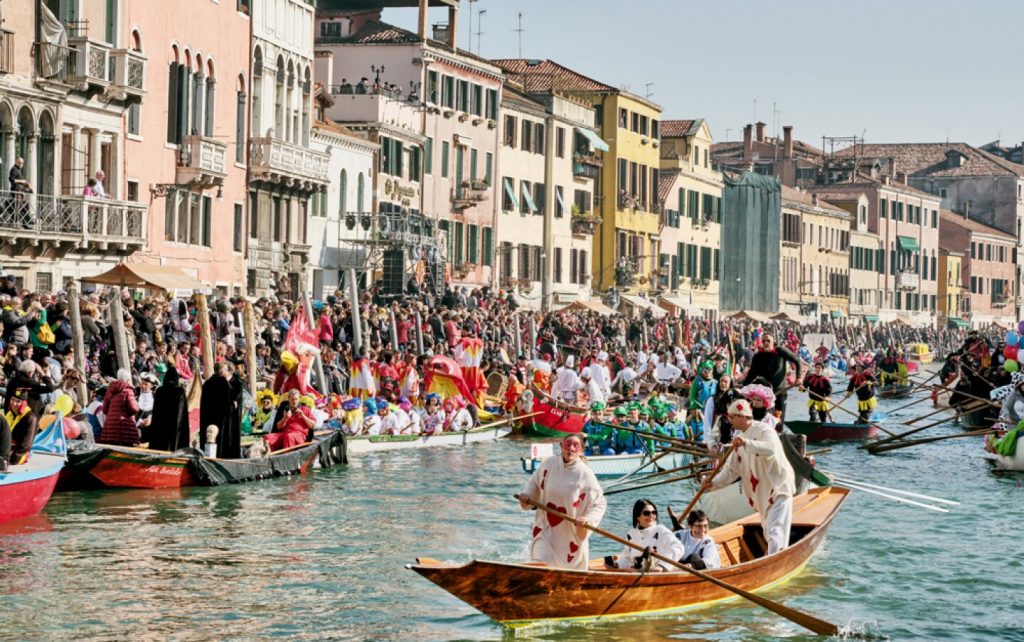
666	179
679	128
930	159
973	226
807	198
547	75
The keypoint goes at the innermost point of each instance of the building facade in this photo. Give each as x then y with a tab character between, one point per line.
794	162
691	195
64	91
988	269
952	301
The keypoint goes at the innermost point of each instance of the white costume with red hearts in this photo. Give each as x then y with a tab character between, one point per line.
768	481
660	540
571	489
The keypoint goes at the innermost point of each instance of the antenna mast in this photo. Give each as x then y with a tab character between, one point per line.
479	29
520	32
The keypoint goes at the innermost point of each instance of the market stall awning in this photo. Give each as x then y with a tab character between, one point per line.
673	302
640	303
153	277
908	243
595	141
871	317
787	316
750	314
593	306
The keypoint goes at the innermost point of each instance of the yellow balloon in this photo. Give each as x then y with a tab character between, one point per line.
64	405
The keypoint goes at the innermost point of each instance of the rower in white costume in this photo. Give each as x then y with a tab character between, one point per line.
567	382
594	392
665	373
601	375
567	484
765	474
625	382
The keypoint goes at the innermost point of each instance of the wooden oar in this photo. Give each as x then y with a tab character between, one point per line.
809	622
643	464
879	442
938	410
928	440
707	484
924	383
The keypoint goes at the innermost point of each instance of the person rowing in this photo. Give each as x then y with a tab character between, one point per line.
770	363
862	383
819	389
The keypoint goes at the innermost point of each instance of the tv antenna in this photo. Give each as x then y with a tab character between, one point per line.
520	32
479	28
647	89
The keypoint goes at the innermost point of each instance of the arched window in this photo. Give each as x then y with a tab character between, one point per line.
279	97
359	193
240	120
136	40
209	109
343	194
257	93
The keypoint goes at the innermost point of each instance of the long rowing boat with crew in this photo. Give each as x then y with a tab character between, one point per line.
818	432
517	594
611	465
373	443
895	391
26	488
108	466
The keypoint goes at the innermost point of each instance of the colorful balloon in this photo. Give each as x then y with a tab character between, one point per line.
64	405
1010	352
1011	366
1020	327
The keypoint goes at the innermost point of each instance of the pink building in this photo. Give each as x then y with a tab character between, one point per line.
186	146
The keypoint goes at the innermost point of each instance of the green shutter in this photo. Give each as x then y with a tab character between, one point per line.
459	242
488	246
474	232
444	159
428	153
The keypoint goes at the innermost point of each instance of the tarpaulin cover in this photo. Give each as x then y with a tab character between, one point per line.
329	449
751	231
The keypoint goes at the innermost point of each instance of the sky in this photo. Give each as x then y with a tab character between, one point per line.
893	71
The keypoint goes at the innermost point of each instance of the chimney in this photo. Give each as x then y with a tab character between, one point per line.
787	141
422	31
760	132
453	23
814	199
748	145
901	177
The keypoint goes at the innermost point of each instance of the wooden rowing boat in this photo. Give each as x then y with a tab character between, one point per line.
516	594
125	467
553	420
366	443
979	419
895	391
26	488
619	465
818	432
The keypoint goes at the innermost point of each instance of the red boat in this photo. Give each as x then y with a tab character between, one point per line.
124	467
25	488
555	420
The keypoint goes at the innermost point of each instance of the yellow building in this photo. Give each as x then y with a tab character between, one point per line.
951	292
626	243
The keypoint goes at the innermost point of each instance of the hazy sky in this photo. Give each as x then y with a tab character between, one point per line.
895	70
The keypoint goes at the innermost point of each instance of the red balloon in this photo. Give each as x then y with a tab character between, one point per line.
1010	352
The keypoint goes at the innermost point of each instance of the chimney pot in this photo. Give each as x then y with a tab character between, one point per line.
748	145
787	141
760	132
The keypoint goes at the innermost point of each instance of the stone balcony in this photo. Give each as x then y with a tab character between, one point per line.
907	280
403	111
89	63
48	227
202	162
129	73
470	193
291	166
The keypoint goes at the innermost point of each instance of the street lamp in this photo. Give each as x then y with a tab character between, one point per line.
378	71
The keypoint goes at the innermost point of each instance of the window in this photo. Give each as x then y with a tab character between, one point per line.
134	126
527	205
559	202
634	123
524	262
447	91
205	223
474	241
472	164
492	104
509	202
177	102
342	193
415	154
942	192
476	106
582	271
488	246
237	245
432	88
560	142
133	191
573	265
360	189
623	118
538	138
526	140
510	131
462	98
460	240
489	168
240	106
643	125
537	264
428	156
540	198
444	159
243	6
557	266
623	165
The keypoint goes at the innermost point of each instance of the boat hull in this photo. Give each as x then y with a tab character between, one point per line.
367	444
1016	462
26	489
895	392
619	465
517	594
554	421
822	432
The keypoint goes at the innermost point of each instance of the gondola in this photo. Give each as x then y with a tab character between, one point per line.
895	391
517	594
26	488
818	432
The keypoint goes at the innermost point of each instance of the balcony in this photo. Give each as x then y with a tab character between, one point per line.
201	162
129	73
384	106
999	300
48	227
588	159
291	166
52	62
89	63
907	280
585	223
584	170
6	51
470	193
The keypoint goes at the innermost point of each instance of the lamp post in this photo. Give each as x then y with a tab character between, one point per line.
378	71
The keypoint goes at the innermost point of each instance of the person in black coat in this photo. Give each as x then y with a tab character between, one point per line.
169	429
216	408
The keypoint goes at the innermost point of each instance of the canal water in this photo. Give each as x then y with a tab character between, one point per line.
321	557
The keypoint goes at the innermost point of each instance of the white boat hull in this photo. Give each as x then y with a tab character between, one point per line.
1016	462
724	505
619	465
368	444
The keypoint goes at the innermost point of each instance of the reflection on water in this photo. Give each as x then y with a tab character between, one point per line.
321	556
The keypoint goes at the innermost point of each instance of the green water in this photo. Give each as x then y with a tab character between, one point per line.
321	557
